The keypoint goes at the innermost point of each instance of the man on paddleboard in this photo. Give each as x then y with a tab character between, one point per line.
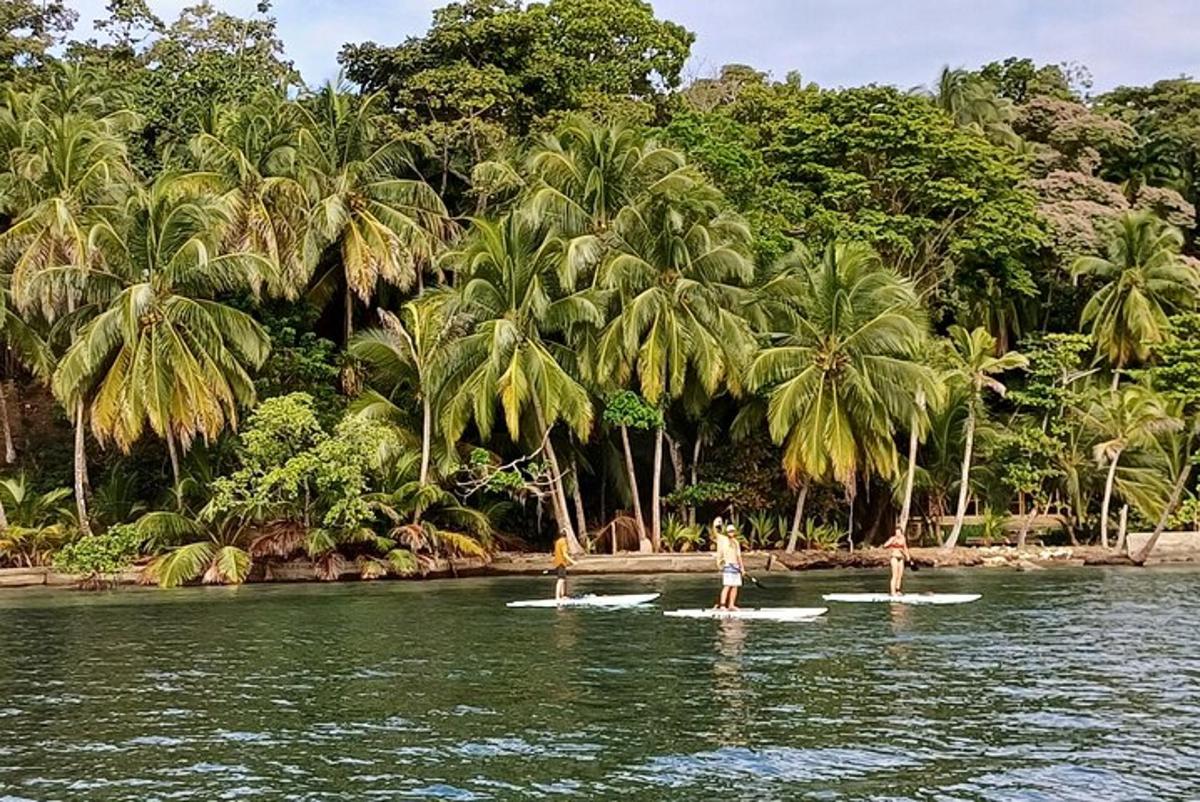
729	560
562	559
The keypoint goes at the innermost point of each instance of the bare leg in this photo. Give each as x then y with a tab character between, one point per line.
733	594
560	589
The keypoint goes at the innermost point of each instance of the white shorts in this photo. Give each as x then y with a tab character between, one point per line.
731	578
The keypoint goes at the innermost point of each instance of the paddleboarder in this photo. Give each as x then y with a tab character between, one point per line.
562	559
729	560
897	544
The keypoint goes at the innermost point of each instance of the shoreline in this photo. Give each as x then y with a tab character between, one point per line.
1031	558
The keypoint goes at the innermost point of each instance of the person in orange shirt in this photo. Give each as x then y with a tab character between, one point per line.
562	559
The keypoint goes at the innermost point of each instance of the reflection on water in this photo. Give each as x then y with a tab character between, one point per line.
1059	685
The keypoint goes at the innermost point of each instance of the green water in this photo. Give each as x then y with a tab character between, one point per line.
1057	685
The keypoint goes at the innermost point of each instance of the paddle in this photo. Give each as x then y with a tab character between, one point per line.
757	584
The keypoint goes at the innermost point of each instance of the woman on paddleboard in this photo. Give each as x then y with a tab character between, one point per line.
729	560
897	544
562	559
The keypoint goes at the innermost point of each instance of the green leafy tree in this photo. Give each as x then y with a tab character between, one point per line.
400	357
626	409
65	172
369	218
28	30
1126	419
843	376
976	363
162	351
674	273
1144	280
508	285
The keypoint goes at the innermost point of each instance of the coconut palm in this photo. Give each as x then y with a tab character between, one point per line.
367	221
842	375
584	173
66	173
674	274
160	350
250	153
1127	419
976	365
972	103
400	356
29	349
509	288
1144	281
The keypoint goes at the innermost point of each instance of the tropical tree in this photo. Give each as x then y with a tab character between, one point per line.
249	151
510	288
368	219
161	350
400	357
29	349
1144	280
842	375
972	103
1127	419
66	173
675	275
976	364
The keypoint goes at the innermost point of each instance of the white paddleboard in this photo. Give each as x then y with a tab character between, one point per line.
590	600
757	614
903	598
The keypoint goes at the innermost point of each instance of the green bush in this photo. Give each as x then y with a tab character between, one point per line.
96	556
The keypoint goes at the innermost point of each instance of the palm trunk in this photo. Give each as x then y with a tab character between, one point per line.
676	461
910	477
1033	512
561	515
801	497
174	465
1104	504
348	311
633	488
81	478
964	483
579	513
1177	491
426	436
1122	528
3	519
1116	379
656	493
10	452
691	510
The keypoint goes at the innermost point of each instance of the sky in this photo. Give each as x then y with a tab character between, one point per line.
831	42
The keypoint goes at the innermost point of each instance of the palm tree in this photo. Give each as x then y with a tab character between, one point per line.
584	173
249	152
1145	280
161	351
972	103
400	356
374	223
976	364
1128	419
66	173
509	288
30	350
673	274
842	373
